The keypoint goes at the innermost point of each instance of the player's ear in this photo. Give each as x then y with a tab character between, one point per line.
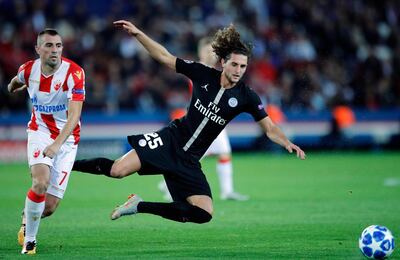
223	62
37	49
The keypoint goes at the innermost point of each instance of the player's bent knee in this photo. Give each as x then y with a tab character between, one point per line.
117	171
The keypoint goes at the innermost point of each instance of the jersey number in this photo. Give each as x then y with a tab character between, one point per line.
63	178
153	140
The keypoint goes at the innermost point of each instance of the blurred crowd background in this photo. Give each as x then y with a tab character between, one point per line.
308	55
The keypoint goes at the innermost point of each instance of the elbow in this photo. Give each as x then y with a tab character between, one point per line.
167	59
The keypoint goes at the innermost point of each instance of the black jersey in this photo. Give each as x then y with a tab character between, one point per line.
211	107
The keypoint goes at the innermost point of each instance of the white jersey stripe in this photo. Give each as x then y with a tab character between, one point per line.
203	123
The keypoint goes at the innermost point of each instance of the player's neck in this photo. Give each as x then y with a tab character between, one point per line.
48	70
225	82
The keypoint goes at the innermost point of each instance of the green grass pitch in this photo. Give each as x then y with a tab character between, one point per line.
312	209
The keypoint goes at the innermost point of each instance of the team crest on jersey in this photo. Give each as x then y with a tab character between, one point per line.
36	153
233	102
78	74
57	85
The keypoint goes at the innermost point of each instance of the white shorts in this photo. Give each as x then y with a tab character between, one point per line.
60	165
220	145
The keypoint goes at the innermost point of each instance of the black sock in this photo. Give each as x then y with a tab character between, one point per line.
177	211
98	166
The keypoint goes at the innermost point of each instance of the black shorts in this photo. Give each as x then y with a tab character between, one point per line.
159	153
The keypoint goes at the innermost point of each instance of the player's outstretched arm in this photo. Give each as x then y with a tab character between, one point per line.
276	135
74	114
156	50
15	85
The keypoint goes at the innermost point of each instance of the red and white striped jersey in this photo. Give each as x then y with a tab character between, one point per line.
50	96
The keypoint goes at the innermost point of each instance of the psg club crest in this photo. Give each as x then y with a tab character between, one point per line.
233	102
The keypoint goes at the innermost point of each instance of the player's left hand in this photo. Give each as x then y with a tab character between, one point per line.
51	150
300	153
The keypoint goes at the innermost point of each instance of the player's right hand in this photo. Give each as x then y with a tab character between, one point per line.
127	26
299	152
51	150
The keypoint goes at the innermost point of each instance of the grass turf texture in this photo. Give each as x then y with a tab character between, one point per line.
313	209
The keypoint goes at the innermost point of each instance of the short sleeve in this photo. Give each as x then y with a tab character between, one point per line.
24	71
20	75
254	106
191	69
76	85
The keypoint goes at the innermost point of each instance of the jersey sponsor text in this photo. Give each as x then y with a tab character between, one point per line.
210	112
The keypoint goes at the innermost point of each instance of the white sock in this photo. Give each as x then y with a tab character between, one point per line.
34	207
225	176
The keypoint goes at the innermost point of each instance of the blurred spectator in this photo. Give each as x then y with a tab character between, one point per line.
307	53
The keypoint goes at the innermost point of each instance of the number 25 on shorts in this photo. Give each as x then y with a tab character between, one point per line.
153	140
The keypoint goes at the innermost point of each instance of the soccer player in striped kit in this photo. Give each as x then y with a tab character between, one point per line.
175	150
56	87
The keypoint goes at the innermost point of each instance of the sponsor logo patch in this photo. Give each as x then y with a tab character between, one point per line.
205	87
78	74
78	91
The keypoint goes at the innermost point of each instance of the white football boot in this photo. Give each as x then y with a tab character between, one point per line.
128	208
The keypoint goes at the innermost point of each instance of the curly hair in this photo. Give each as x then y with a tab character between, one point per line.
227	41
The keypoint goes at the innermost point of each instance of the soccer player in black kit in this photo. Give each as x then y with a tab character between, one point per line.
175	151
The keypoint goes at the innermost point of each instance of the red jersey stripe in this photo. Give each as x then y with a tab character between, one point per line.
27	71
45	83
76	133
65	85
33	124
51	125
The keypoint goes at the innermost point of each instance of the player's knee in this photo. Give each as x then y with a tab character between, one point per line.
117	171
40	186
